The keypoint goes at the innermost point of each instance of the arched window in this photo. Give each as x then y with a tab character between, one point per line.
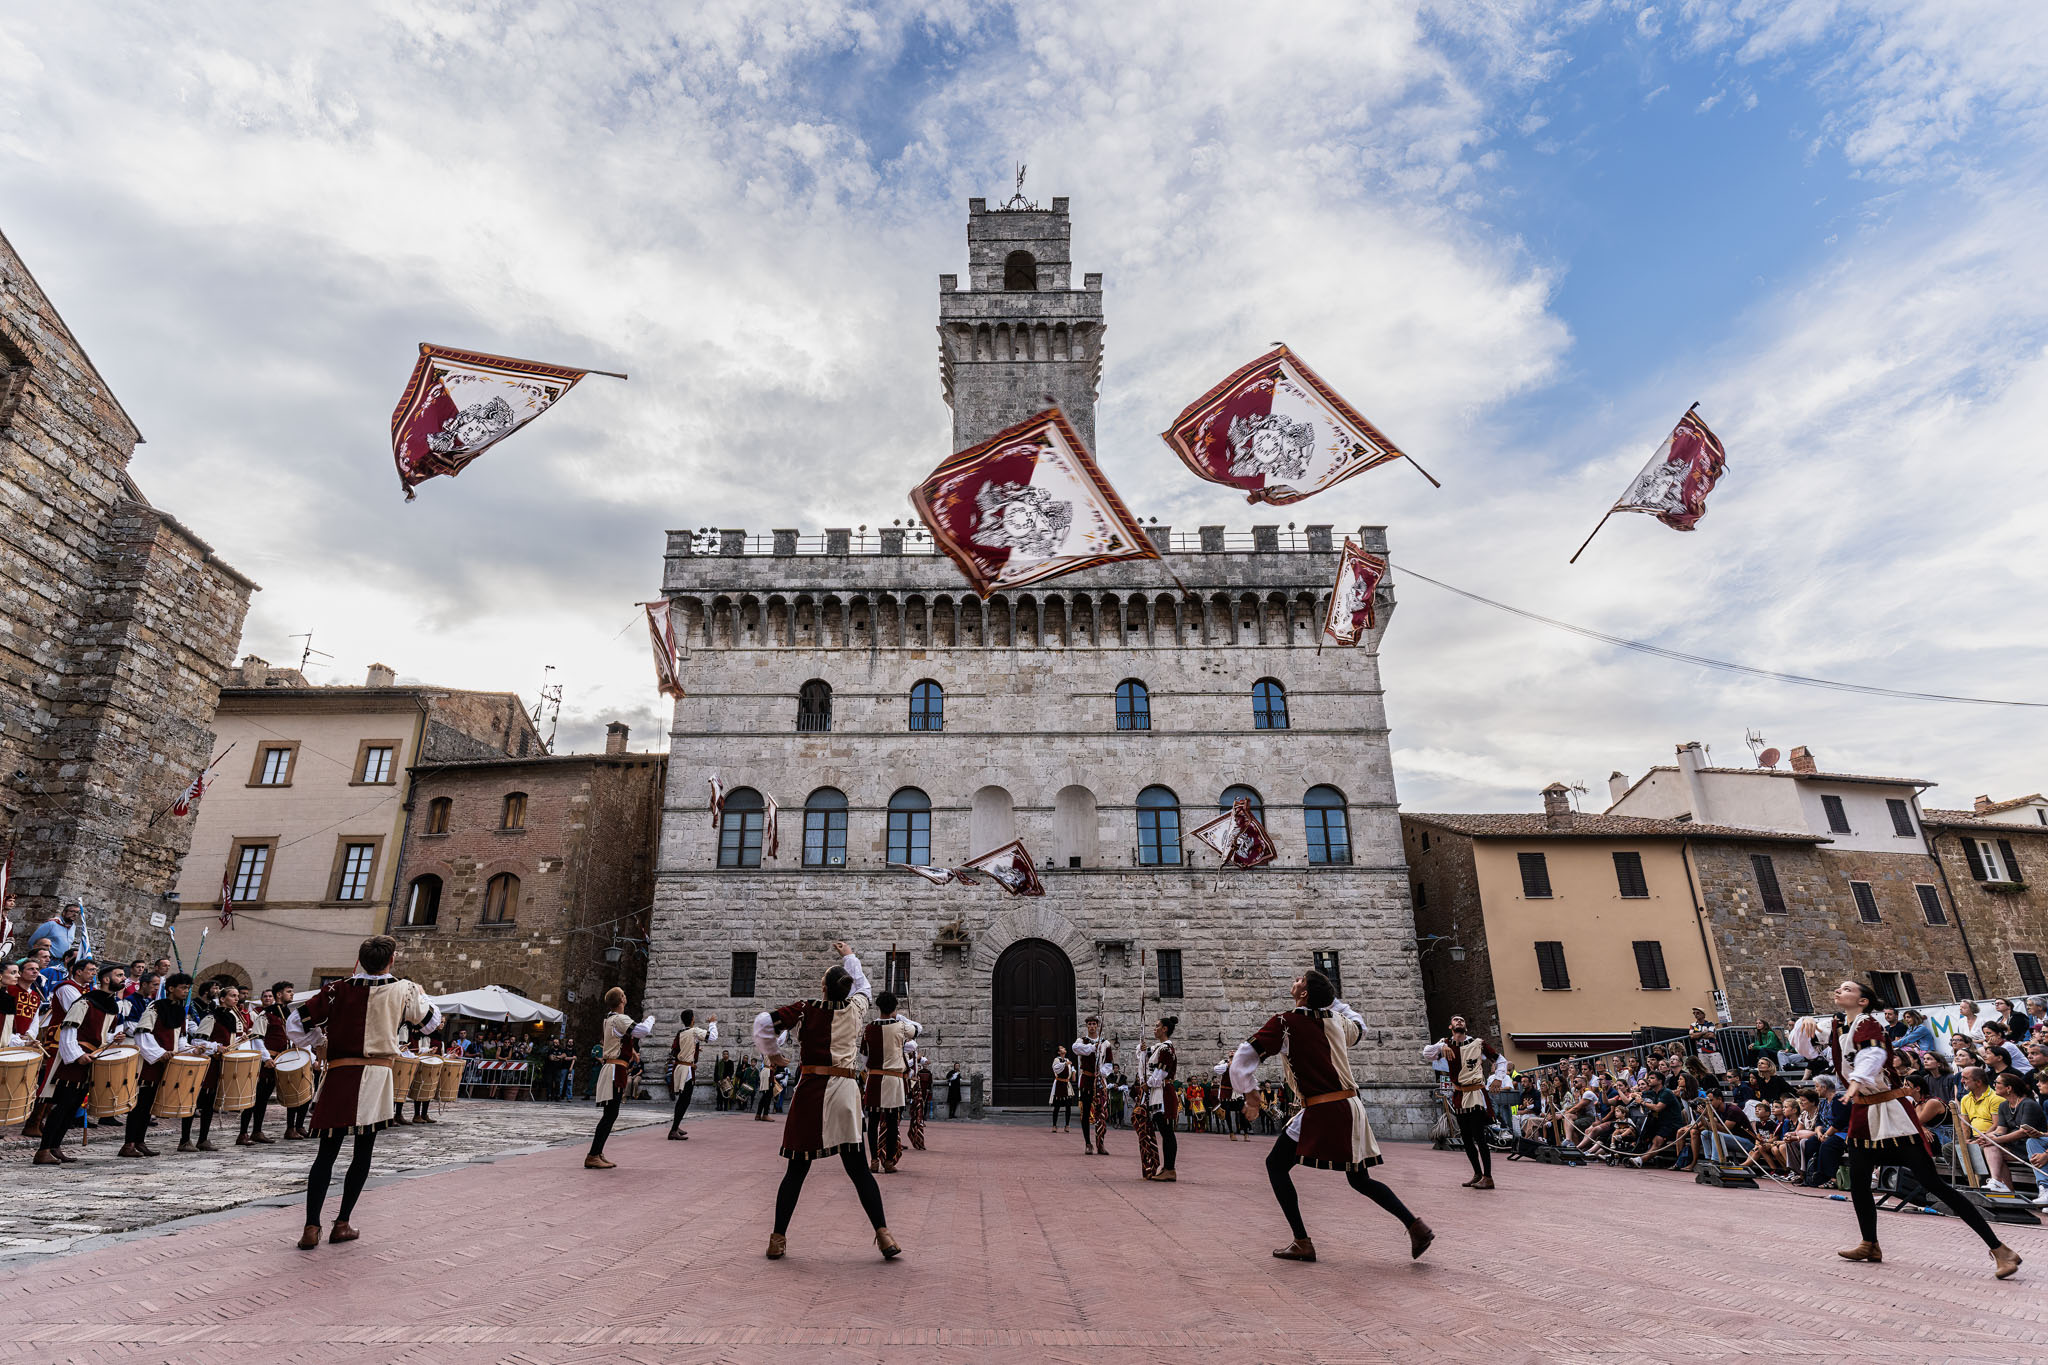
501	899
927	706
1269	705
739	833
515	811
1329	833
1158	828
910	827
437	814
814	707
1231	795
423	902
1020	271
825	828
1073	826
1133	706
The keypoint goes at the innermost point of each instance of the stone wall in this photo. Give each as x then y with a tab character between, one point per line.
1447	874
2003	922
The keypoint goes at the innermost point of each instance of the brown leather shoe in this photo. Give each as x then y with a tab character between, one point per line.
261	1141
777	1244
294	1135
1484	1182
1168	1176
131	1149
888	1168
890	1251
65	1156
1419	1238
400	1121
1300	1249
148	1150
2006	1259
205	1146
46	1157
342	1232
597	1163
310	1238
186	1146
1863	1251
244	1140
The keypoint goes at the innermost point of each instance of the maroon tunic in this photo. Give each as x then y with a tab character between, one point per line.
362	1016
93	1018
1330	1130
164	1021
825	1111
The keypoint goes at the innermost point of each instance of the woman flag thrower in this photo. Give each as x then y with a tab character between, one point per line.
1329	1128
824	1114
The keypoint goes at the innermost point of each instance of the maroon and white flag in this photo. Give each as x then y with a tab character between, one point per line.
1350	615
1276	430
227	899
1027	504
668	653
1238	836
189	798
769	827
1011	868
717	803
938	876
1673	486
458	404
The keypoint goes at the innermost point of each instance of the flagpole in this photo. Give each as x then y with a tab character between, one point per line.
1588	540
1420	470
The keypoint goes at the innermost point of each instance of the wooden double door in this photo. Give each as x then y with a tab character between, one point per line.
1034	1015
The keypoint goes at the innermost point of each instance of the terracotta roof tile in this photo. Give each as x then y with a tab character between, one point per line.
1578	826
1964	819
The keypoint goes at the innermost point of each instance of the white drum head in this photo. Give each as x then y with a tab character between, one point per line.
292	1061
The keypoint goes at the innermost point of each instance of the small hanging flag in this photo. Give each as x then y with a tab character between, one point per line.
1027	504
190	796
938	876
717	803
1238	836
458	404
1351	615
668	654
1276	430
227	899
1011	867
769	823
1673	486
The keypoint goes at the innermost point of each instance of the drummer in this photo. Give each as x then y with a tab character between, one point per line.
269	1025
421	1042
49	1023
213	1029
10	982
92	1023
158	1032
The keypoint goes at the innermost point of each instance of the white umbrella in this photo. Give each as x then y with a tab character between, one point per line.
495	1003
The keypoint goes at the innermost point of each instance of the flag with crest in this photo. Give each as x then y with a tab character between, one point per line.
1238	836
1011	868
668	653
717	803
1351	612
1673	486
227	899
458	404
189	798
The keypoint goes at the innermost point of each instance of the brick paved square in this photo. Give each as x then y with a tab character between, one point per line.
1019	1247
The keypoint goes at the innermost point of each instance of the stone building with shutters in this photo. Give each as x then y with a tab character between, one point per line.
118	626
1994	860
862	707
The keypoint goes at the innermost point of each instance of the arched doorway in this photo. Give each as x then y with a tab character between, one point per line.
1034	1014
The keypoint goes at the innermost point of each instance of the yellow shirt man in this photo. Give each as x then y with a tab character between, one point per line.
1981	1111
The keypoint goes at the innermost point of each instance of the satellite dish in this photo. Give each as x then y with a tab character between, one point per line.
1767	759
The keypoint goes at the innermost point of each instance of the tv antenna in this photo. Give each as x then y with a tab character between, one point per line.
308	654
549	705
1577	789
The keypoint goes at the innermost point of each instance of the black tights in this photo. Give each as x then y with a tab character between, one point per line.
1863	1161
63	1113
604	1125
322	1174
1280	1167
138	1117
1065	1102
1472	1125
252	1117
1168	1144
682	1104
856	1170
205	1121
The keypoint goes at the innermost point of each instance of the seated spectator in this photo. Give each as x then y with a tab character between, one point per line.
1995	1042
1931	1111
1662	1118
1978	1103
1774	1135
1916	1033
1767	1042
1942	1079
2019	1118
1822	1153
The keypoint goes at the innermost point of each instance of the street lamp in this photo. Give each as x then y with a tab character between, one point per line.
1431	942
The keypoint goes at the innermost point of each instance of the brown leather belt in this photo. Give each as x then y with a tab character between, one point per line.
384	1062
1880	1097
1330	1098
848	1072
1464	1089
885	1071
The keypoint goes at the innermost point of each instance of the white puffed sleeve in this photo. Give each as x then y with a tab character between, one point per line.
644	1027
1350	1016
1867	1071
301	1036
68	1050
860	978
764	1033
146	1044
916	1029
711	1032
1809	1038
1243	1069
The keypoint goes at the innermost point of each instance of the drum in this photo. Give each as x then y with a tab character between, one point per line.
236	1090
451	1078
294	1073
116	1077
402	1068
18	1068
426	1079
177	1094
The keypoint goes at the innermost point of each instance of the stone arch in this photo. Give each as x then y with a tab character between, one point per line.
1028	921
241	974
992	821
1020	272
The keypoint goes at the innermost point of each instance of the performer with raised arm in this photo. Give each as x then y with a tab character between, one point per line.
1474	1065
1160	1101
1092	1056
1062	1097
1329	1128
158	1032
359	1018
683	1051
1884	1129
824	1114
883	1042
93	1021
621	1046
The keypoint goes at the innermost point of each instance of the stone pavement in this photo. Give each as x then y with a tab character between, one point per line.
45	1210
1019	1246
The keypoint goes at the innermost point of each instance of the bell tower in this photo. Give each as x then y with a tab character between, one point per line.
1019	330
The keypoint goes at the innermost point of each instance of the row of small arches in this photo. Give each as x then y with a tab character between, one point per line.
1021	341
1133	705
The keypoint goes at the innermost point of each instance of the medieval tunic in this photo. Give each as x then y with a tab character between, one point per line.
1160	1093
688	1046
1329	1127
359	1017
824	1113
92	1022
1470	1070
1062	1082
26	1004
621	1046
158	1032
50	1023
884	1042
1865	1057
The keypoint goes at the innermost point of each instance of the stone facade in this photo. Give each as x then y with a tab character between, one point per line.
583	855
118	629
2004	922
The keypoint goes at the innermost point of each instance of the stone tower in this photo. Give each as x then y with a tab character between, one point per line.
1020	330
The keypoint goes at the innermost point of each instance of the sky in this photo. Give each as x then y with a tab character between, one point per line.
1520	237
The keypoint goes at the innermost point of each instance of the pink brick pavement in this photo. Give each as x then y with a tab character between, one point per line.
1019	1247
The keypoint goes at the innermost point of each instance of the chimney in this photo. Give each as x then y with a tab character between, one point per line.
615	737
1557	805
1981	804
1617	786
255	671
380	675
1802	760
1691	758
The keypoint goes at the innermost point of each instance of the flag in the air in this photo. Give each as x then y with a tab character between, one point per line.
1673	486
189	798
1276	430
668	654
458	404
1351	615
227	899
1027	504
769	825
938	876
1011	867
717	803
1238	836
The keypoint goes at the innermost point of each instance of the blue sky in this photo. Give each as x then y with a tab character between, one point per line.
1520	236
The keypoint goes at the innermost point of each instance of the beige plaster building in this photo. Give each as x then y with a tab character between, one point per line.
304	819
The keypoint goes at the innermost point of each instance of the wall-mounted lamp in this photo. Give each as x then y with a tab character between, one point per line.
1431	942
